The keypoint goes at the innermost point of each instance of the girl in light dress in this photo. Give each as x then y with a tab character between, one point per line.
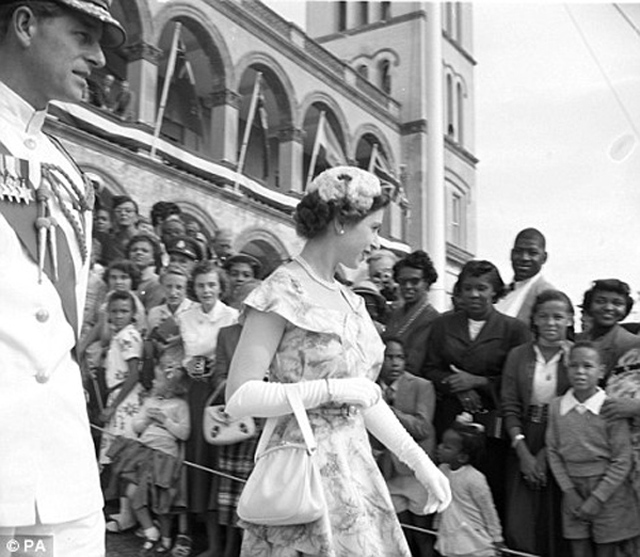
121	275
121	371
470	526
163	424
124	390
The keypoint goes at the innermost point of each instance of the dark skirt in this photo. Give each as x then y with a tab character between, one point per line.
533	521
199	483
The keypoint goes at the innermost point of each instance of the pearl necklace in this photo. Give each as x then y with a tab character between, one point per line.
330	285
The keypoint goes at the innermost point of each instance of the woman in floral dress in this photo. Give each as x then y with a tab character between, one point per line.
315	336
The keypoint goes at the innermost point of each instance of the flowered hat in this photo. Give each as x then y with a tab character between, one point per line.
347	183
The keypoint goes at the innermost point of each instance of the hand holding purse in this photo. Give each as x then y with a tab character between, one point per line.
219	428
285	486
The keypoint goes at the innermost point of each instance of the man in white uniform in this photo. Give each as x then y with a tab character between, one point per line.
528	255
49	483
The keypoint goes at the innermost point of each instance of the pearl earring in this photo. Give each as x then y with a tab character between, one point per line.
341	231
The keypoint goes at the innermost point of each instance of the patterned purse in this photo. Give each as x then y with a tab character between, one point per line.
219	429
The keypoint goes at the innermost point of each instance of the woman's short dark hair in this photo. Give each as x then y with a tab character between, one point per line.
163	209
127	267
118	200
608	285
345	201
417	260
122	295
478	268
587	344
153	242
386	339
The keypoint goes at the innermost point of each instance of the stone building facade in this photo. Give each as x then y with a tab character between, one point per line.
349	94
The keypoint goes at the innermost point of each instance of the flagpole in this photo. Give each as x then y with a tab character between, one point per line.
316	147
247	128
372	160
435	202
171	63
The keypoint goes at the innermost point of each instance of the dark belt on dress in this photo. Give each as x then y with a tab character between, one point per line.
537	413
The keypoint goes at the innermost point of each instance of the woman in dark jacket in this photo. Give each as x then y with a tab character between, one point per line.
411	321
465	355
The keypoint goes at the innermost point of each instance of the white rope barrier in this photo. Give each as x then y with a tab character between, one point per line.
425	531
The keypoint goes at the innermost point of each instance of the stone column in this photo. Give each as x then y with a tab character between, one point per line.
290	159
225	108
142	74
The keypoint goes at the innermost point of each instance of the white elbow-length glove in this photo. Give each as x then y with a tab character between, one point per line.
266	400
385	426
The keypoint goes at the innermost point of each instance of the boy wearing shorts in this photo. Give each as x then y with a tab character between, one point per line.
591	459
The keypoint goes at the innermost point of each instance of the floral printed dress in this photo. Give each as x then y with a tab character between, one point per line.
320	343
125	345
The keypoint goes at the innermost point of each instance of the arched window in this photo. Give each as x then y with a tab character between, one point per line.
363	70
451	131
385	76
460	99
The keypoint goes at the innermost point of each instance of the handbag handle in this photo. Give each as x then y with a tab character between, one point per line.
215	393
300	414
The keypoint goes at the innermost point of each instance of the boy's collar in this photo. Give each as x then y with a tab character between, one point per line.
593	404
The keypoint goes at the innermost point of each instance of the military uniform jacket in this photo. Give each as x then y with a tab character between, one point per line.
47	460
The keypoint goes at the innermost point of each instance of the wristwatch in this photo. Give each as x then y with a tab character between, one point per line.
518	437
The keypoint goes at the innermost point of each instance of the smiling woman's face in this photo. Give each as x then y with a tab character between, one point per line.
413	287
207	289
607	308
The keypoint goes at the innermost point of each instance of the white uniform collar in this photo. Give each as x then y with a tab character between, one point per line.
28	119
593	404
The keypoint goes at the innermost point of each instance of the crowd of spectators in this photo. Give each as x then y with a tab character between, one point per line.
161	326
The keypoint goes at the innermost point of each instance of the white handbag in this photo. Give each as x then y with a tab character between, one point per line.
285	486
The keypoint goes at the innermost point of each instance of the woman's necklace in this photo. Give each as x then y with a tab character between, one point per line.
548	353
330	285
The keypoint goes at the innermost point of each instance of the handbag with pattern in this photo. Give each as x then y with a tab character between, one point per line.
219	429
